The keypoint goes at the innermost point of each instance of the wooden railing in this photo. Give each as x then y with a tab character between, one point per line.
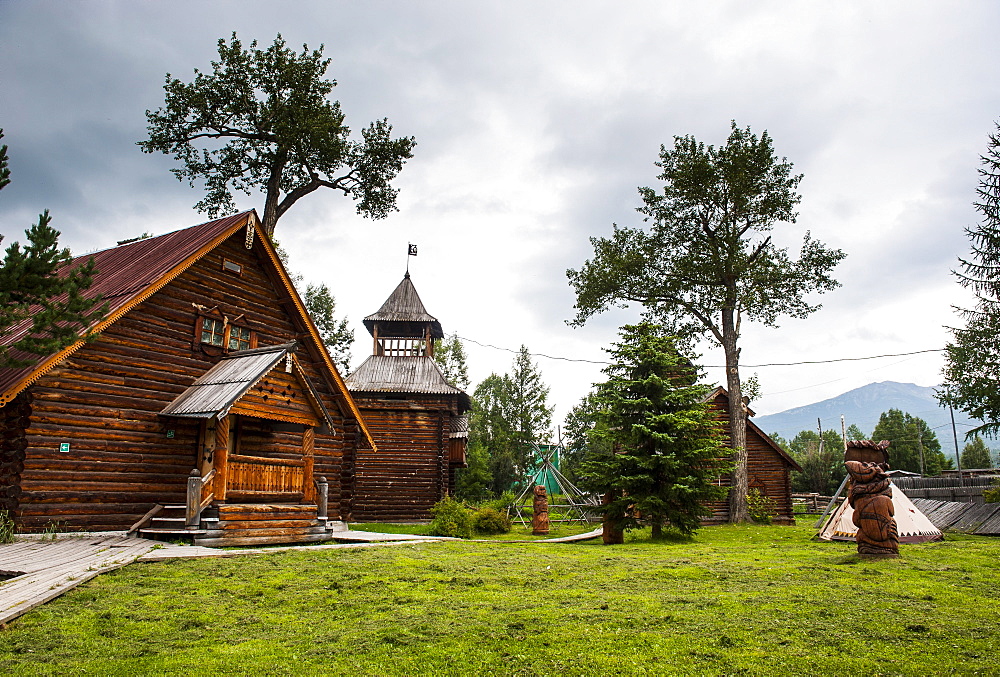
253	475
200	493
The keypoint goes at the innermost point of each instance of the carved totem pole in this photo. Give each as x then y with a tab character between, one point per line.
870	496
540	516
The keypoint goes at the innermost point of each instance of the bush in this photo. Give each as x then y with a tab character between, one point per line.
7	529
761	508
501	504
489	520
451	518
992	495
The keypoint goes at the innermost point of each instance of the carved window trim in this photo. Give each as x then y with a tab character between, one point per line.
216	333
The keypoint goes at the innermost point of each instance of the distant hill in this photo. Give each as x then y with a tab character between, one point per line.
863	406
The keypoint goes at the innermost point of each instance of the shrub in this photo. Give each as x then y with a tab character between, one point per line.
489	520
992	495
761	508
7	529
451	518
501	503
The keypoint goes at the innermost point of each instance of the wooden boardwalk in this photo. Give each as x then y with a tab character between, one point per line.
44	570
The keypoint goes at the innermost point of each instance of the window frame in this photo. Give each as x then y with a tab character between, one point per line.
245	336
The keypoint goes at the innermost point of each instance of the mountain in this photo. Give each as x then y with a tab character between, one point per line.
863	406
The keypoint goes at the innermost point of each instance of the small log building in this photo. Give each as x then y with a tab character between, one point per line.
206	391
417	418
769	466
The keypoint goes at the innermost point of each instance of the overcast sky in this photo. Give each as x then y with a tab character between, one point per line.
535	124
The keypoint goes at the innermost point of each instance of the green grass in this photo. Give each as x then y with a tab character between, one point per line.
518	531
733	600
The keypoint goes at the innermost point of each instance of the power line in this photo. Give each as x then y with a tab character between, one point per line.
550	357
717	366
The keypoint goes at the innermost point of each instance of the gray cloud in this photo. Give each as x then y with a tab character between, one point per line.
535	124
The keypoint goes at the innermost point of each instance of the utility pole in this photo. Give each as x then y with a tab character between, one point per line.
954	434
920	443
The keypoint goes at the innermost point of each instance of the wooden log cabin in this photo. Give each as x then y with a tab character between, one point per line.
769	466
418	419
205	403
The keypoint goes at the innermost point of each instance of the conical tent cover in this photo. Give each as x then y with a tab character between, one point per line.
912	525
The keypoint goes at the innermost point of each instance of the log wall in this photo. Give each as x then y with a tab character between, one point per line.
410	471
767	471
104	401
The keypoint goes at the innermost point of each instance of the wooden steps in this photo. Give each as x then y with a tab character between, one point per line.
240	524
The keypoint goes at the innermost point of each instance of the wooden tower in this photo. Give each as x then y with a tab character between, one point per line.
417	418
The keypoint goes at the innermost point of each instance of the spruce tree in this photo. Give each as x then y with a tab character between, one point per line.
972	367
449	353
33	289
665	450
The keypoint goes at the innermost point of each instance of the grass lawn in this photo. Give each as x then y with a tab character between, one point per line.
734	600
518	532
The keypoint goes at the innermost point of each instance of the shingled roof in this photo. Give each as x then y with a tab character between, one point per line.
403	314
403	374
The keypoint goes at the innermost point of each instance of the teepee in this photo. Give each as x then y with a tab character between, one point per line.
911	524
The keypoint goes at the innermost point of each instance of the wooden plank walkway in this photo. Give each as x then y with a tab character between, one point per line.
49	568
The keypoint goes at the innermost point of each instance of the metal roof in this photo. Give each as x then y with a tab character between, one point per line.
404	309
124	273
408	374
219	388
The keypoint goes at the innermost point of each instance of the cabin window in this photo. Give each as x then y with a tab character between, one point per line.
213	332
239	338
232	267
220	332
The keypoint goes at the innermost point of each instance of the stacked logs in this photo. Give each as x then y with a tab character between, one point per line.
15	418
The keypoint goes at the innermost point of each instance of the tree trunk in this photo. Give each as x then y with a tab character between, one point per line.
270	218
739	484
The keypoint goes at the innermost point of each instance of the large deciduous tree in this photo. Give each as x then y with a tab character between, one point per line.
822	464
706	262
975	454
37	286
665	450
915	447
972	366
263	120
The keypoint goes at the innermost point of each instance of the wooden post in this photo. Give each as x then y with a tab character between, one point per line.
221	457
308	446
322	493
192	514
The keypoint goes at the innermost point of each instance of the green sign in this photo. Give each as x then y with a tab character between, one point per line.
64	447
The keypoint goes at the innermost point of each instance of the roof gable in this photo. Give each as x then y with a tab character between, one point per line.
721	396
129	274
126	276
266	383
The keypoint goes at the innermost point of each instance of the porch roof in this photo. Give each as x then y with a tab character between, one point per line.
219	389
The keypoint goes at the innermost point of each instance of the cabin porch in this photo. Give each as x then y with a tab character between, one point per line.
253	482
246	500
